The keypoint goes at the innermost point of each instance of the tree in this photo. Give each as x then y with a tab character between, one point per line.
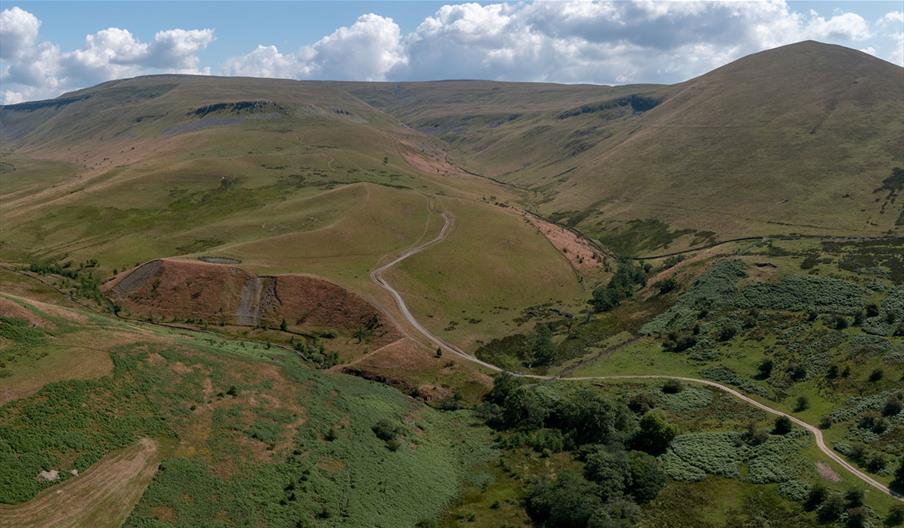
283	326
897	483
782	425
815	497
503	385
831	509
895	516
853	498
590	418
610	470
567	502
654	435
647	477
876	375
856	517
802	404
764	369
542	351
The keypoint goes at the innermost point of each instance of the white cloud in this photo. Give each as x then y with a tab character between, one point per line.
606	41
33	69
892	24
18	32
366	51
570	41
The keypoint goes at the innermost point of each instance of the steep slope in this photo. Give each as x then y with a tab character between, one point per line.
794	139
287	177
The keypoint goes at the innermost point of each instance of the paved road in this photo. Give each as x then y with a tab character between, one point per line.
380	280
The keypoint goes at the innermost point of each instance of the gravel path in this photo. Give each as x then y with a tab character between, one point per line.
377	276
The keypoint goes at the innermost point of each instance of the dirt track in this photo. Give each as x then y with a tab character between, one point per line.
377	276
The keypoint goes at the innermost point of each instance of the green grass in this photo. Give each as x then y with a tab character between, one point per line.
158	389
491	266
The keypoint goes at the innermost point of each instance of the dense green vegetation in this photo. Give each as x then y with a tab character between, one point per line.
617	449
291	462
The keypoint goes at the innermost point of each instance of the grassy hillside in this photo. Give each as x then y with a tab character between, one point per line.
242	432
279	176
801	129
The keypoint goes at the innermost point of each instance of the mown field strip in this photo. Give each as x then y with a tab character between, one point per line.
101	497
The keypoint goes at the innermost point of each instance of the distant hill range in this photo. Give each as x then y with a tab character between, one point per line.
805	138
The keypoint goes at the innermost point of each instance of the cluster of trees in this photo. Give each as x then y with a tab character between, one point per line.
541	350
618	449
86	285
831	507
314	352
627	278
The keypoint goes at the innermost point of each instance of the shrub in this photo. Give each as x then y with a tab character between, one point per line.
386	430
802	404
895	515
754	436
647	477
727	333
856	517
876	375
815	497
853	498
831	509
641	402
782	425
672	386
666	285
764	369
897	483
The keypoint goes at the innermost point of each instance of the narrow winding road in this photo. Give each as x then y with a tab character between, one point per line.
377	275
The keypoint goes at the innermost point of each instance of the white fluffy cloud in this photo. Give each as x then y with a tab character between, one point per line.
569	41
366	51
33	69
892	24
18	32
598	41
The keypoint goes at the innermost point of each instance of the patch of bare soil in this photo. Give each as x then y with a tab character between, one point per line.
59	311
429	162
223	294
826	472
101	497
405	364
14	310
308	301
579	252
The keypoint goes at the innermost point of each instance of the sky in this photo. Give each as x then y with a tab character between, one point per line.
49	48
